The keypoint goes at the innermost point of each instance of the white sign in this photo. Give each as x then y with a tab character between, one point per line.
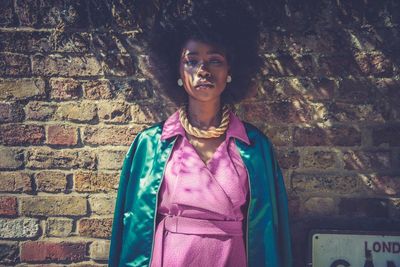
354	250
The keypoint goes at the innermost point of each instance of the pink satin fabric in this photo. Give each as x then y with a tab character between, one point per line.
202	206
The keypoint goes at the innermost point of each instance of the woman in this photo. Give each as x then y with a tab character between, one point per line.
202	188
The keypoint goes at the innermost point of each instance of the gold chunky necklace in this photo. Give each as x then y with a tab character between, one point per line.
204	133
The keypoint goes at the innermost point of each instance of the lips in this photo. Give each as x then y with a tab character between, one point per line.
204	85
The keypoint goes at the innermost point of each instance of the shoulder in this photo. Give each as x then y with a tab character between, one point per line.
256	136
153	131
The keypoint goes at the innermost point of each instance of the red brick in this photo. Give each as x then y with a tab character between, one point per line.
364	207
345	112
288	158
118	65
95	227
7	13
15	182
338	65
110	135
49	181
319	159
299	88
95	181
44	14
325	183
11	112
133	90
382	184
41	111
288	65
335	135
66	66
25	42
366	160
20	134
356	91
37	251
46	158
276	112
8	206
62	135
376	64
9	250
99	89
64	89
14	65
388	135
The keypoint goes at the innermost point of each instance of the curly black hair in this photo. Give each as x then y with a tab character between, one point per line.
229	27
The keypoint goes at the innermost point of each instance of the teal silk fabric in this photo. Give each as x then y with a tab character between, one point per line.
133	228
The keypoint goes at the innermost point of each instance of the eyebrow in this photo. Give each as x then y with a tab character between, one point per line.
212	52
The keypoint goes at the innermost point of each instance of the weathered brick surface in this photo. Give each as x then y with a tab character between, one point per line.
319	159
95	181
36	251
53	205
48	181
320	206
325	183
14	65
366	160
279	136
11	158
19	228
11	112
102	204
99	250
8	206
45	158
95	227
381	184
110	159
384	136
15	182
40	111
376	64
21	134
78	112
16	89
62	135
288	159
344	112
64	89
69	66
114	112
109	135
59	227
370	207
319	136
98	89
9	252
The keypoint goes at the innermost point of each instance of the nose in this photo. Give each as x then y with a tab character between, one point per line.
203	70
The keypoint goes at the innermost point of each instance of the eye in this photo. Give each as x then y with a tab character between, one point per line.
190	62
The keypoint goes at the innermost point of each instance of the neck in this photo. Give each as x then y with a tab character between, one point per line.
204	115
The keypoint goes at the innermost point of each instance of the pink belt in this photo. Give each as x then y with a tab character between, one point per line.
185	225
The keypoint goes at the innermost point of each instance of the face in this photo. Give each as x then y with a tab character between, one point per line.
203	69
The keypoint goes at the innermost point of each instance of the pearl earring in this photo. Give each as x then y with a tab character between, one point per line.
229	79
180	82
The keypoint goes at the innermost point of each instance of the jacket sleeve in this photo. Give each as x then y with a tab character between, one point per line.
117	227
283	215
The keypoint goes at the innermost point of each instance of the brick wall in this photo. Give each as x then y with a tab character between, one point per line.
73	94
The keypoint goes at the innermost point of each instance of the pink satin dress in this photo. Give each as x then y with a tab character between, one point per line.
202	206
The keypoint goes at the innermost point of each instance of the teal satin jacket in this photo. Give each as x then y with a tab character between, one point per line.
267	225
